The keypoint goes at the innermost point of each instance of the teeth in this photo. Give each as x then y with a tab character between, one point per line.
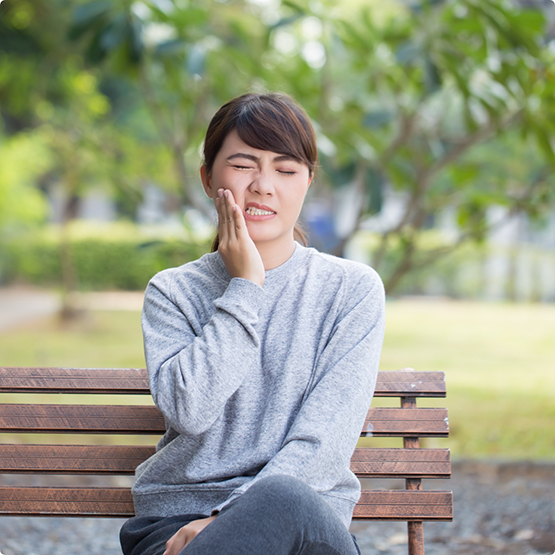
257	212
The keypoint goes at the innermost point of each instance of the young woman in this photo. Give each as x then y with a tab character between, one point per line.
262	356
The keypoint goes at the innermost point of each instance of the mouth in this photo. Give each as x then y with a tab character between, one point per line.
258	212
254	209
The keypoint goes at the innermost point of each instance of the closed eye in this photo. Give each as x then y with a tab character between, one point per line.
283	172
243	167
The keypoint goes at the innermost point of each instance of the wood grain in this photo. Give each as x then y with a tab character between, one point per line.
141	419
123	459
135	381
117	502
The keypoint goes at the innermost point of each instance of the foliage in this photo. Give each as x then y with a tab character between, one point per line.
109	256
23	158
430	90
446	104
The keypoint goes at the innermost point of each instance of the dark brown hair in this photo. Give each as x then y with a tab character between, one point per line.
273	122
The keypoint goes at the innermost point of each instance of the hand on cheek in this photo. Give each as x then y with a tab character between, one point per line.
237	249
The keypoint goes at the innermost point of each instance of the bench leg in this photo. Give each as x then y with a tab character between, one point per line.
416	538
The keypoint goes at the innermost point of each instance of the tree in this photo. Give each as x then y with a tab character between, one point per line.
186	58
421	97
409	102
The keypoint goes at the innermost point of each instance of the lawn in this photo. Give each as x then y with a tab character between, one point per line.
499	361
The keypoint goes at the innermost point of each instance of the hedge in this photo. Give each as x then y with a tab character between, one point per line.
105	256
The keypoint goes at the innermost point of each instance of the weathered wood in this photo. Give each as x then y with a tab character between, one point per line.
144	419
401	463
399	422
123	459
416	537
73	459
405	505
411	463
411	384
60	501
93	419
74	380
135	381
117	502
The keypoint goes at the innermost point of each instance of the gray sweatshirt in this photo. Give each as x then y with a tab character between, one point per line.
257	381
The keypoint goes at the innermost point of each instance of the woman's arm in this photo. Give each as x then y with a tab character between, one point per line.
193	371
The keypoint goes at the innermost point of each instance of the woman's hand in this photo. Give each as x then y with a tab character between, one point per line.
185	535
237	249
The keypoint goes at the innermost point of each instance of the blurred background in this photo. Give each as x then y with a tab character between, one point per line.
436	129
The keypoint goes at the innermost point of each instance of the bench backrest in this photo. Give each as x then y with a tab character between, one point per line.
406	421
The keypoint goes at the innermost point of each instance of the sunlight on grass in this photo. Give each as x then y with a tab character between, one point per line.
499	361
102	339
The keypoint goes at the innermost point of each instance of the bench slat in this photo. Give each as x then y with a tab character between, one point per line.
135	381
404	505
74	380
132	419
113	459
118	502
398	422
100	419
73	459
61	501
401	463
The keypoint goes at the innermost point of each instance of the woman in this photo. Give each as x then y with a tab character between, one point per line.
262	356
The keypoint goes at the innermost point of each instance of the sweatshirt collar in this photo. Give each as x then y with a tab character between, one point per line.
215	261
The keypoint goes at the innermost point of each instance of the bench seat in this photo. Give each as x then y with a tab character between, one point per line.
409	461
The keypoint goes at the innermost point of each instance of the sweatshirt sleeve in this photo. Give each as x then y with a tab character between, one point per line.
321	441
194	370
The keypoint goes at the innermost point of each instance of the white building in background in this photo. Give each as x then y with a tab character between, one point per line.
517	262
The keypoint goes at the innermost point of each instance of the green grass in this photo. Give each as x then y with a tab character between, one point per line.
499	361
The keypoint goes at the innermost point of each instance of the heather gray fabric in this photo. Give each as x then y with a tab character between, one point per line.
279	515
258	381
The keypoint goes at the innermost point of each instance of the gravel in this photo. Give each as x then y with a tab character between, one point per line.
500	508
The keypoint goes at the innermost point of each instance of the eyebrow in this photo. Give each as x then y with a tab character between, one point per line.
256	159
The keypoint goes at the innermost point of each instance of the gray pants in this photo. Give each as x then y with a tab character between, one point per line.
278	515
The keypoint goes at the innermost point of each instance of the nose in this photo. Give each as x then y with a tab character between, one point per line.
262	184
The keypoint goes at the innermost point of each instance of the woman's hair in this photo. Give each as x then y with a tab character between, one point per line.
273	122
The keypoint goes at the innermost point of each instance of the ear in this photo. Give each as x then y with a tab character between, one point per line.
206	179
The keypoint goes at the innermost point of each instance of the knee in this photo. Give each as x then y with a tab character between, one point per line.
291	495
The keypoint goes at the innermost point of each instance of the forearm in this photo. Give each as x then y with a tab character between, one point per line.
193	369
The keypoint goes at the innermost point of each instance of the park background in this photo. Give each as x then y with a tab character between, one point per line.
435	123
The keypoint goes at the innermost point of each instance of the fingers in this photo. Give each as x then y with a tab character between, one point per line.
230	217
177	542
186	534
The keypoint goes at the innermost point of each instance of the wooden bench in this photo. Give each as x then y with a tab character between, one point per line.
411	463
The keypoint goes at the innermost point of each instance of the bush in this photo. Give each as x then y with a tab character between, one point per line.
105	256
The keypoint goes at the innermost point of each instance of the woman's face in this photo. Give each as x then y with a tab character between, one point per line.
268	187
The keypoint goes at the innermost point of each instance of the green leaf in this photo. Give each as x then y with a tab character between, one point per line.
378	119
408	52
114	33
196	60
88	14
171	47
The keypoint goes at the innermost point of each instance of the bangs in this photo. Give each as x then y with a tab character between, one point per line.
275	126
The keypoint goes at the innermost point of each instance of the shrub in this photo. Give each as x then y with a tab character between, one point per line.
105	256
